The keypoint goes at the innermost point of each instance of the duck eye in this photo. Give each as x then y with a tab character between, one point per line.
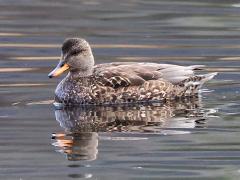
76	52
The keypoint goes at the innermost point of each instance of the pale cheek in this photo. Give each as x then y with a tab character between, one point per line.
73	61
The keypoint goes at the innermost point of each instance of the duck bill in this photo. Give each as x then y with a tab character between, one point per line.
58	70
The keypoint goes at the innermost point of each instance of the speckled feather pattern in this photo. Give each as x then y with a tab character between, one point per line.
110	85
122	82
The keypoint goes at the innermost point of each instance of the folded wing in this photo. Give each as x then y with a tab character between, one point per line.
123	74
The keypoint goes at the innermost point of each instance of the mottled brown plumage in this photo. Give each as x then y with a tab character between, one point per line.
120	82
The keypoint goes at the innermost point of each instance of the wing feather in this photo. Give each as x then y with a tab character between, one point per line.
122	74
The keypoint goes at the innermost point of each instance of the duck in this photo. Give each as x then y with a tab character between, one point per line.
121	82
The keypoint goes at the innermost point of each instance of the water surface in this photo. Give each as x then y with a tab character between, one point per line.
190	140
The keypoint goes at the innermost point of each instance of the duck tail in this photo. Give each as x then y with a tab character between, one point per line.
208	76
194	83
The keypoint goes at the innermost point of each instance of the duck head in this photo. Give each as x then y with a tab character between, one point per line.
76	57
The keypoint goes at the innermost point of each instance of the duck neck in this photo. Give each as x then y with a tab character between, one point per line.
80	74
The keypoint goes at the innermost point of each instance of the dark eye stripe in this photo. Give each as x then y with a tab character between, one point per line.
76	52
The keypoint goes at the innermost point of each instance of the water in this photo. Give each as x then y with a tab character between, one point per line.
186	140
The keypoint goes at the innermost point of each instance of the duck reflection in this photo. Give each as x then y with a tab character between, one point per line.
81	124
78	146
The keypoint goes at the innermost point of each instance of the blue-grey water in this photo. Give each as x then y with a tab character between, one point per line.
185	140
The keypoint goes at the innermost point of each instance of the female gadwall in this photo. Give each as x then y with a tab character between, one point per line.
120	82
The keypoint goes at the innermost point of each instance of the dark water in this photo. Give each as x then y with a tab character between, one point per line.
185	140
